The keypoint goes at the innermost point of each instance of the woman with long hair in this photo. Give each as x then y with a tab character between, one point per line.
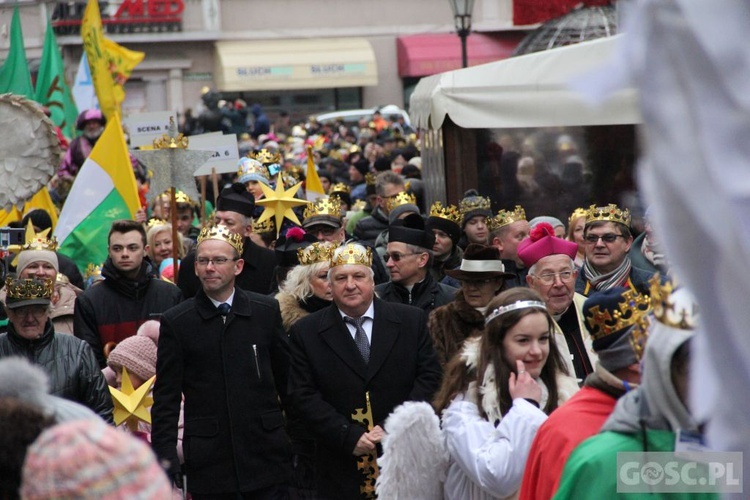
576	224
496	393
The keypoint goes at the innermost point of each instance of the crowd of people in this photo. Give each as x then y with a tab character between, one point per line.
313	360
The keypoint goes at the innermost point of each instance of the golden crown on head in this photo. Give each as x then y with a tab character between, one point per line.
450	212
92	270
340	187
221	232
675	311
359	205
352	253
21	289
630	310
505	217
329	205
610	213
402	198
266	157
474	203
153	221
267	226
250	165
181	197
39	242
577	213
370	178
320	251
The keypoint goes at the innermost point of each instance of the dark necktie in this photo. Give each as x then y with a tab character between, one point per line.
224	309
360	337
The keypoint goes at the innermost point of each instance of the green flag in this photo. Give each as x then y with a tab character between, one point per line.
14	74
51	88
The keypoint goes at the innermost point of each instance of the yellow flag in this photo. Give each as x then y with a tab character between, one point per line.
110	63
40	200
121	62
313	186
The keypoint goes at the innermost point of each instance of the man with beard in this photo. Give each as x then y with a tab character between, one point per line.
112	309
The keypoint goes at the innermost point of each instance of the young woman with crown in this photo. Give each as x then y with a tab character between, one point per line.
496	393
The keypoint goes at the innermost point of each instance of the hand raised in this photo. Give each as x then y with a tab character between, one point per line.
523	385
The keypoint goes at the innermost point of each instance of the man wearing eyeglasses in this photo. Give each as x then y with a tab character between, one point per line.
607	240
409	258
552	273
226	352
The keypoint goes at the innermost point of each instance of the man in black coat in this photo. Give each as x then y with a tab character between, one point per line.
234	209
360	353
225	351
409	259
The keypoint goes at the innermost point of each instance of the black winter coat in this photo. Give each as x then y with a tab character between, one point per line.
111	310
231	375
426	295
370	227
69	363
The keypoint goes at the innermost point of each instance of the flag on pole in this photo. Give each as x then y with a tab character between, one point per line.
104	191
51	88
121	62
83	87
313	186
14	74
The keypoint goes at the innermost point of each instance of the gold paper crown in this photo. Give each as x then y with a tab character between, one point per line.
578	212
370	178
450	212
473	203
352	253
181	197
267	226
359	205
630	310
221	232
505	217
323	206
173	140
340	187
402	198
92	270
26	289
317	252
250	165
669	309
266	157
610	213
39	242
153	221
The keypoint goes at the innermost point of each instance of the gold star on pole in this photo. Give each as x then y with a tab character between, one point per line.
132	405
279	203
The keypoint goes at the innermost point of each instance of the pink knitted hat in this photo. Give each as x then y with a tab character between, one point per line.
90	459
137	354
541	243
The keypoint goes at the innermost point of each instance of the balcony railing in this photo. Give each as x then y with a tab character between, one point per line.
126	16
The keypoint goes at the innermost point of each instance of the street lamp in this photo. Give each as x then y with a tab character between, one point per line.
462	16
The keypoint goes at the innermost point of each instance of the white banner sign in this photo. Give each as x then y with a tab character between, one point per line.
143	128
226	154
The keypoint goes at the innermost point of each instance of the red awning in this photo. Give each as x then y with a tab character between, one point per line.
423	55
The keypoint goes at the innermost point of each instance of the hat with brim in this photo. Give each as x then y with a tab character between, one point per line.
27	292
479	262
236	199
322	220
541	243
411	230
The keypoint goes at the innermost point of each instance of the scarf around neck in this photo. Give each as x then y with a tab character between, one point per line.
609	280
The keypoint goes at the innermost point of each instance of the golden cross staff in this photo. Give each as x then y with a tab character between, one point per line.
368	463
172	166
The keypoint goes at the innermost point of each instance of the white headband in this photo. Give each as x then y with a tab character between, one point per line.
521	304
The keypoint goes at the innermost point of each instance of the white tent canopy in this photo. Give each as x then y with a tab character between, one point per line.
525	91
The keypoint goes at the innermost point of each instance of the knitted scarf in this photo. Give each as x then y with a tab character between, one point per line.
609	280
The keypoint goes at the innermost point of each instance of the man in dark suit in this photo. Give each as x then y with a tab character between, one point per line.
234	209
226	352
361	354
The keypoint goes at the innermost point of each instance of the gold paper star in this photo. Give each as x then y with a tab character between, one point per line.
280	203
30	236
132	405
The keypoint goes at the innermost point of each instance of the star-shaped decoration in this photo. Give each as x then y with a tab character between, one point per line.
33	241
172	165
279	203
132	405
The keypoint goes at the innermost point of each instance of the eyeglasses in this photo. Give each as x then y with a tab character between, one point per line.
549	278
396	256
216	261
35	311
606	238
324	230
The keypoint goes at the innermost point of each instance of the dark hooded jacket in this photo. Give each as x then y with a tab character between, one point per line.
69	363
369	228
112	309
426	295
